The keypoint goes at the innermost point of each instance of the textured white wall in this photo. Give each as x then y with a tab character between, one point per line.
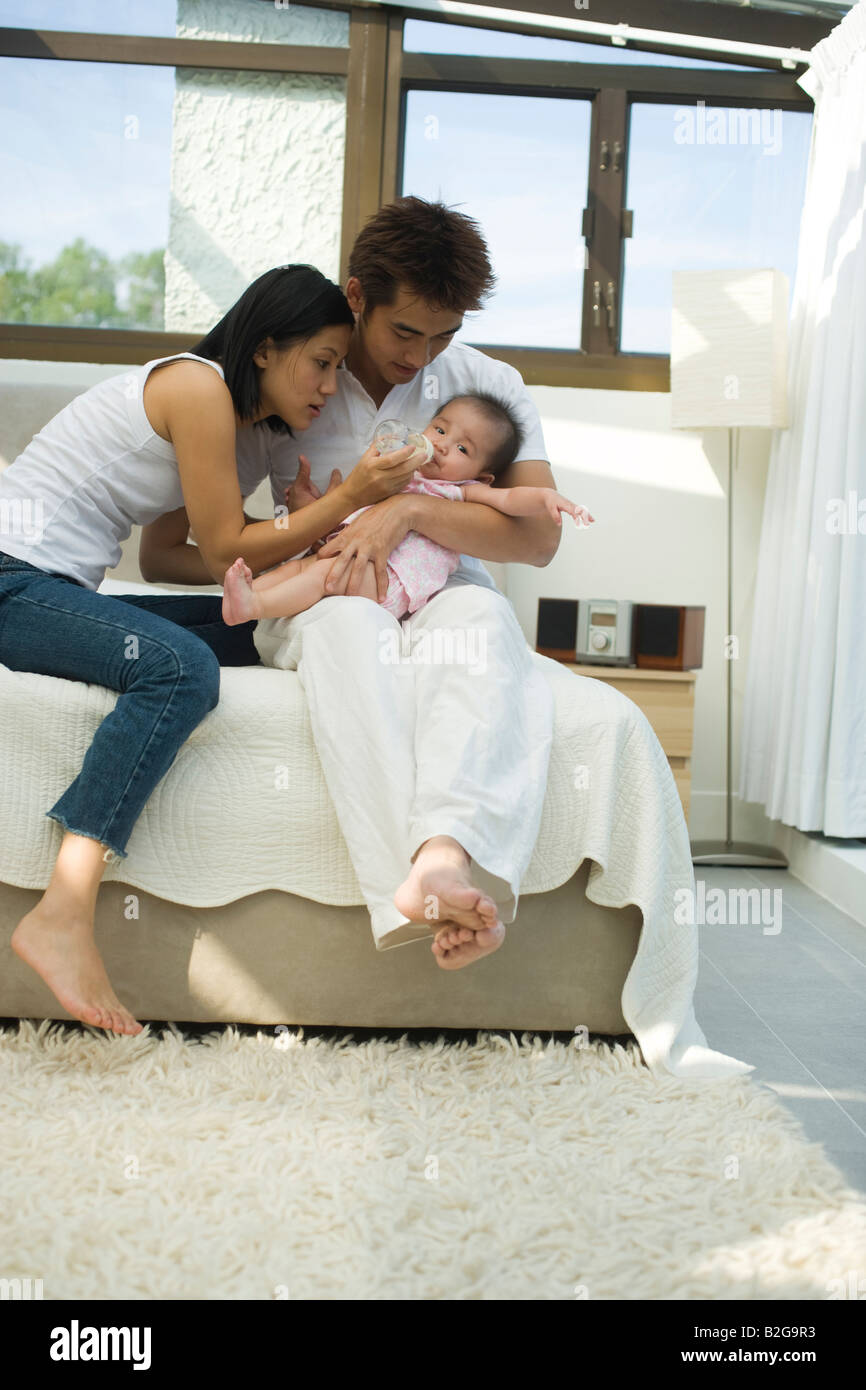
257	162
251	19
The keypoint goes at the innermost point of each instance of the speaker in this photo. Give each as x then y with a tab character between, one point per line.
669	637
556	630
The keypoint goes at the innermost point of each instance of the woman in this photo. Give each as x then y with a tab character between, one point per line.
184	432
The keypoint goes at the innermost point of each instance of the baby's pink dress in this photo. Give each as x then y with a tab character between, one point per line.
418	567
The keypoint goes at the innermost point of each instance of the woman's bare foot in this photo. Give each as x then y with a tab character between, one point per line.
60	948
439	888
240	601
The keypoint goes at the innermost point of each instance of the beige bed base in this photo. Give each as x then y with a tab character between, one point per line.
275	958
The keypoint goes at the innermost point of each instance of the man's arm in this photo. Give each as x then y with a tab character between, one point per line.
488	534
468	527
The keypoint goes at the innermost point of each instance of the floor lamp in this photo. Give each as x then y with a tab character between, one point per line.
729	369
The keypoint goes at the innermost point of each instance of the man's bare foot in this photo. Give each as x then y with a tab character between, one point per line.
61	949
439	889
454	947
240	601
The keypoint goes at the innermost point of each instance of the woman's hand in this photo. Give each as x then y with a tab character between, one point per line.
303	490
377	476
369	539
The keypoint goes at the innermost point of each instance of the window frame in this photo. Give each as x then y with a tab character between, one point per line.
378	75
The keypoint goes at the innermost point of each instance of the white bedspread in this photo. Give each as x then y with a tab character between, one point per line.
244	807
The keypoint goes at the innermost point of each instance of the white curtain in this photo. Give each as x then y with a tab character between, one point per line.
804	718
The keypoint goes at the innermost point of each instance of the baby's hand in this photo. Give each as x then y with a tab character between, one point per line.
557	504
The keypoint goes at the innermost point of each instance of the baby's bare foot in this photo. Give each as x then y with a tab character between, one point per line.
240	601
61	949
439	889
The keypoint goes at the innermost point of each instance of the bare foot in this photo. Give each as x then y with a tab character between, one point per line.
61	949
454	947
439	888
240	601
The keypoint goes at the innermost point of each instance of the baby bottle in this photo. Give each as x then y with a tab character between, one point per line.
393	434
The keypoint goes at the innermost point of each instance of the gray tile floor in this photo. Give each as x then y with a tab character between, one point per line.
793	1004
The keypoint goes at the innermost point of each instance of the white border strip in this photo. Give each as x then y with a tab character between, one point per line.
619	34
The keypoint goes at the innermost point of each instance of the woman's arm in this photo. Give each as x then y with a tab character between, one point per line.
199	419
164	556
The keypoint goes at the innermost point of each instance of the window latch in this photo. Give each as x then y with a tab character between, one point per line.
617	157
605	155
611	305
596	302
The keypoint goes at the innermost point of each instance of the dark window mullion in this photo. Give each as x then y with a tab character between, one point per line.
605	202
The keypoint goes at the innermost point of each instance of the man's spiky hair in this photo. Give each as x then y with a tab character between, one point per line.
426	248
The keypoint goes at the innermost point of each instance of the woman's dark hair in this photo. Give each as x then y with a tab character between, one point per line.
289	304
500	413
430	249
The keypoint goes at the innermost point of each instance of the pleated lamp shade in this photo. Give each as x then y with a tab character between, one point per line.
729	348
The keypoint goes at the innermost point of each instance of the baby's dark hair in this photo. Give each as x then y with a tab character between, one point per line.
500	413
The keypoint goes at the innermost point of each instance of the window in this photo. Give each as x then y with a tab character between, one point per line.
147	197
85	153
91	16
710	188
518	165
234	20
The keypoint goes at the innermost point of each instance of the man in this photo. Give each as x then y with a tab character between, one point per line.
430	762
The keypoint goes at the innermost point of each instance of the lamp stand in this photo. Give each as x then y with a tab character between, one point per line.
731	853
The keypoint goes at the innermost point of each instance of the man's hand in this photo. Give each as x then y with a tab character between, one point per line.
303	490
369	539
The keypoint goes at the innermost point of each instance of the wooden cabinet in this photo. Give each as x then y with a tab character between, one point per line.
667	698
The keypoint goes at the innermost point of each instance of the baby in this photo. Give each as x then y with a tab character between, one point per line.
474	438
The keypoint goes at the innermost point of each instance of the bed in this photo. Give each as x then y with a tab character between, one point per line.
238	901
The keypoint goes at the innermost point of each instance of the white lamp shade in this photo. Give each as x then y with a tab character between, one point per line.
729	338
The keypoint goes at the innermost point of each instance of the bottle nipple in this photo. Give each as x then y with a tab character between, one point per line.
421	442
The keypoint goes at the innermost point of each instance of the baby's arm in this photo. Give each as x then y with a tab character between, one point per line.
527	501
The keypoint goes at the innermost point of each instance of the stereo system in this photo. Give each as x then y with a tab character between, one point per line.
617	632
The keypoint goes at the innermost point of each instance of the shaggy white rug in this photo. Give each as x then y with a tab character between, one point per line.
278	1166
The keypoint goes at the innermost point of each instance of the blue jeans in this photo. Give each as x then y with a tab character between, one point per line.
161	653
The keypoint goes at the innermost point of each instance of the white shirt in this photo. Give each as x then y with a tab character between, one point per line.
346	426
70	500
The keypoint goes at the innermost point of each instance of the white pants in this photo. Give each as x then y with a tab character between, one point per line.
439	725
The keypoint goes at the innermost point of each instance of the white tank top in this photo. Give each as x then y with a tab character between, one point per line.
69	501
